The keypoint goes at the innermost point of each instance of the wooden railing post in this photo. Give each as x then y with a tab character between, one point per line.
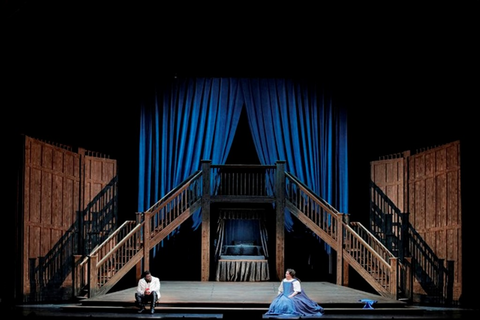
147	221
138	217
408	285
206	166
340	234
139	267
77	279
92	276
280	218
345	281
394	277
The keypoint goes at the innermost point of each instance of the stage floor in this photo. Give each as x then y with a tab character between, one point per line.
231	300
260	293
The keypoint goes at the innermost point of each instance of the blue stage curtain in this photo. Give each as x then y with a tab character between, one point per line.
297	121
191	119
185	122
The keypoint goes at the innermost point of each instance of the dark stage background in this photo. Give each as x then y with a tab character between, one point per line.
74	74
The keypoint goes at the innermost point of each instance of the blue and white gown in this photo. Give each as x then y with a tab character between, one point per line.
298	306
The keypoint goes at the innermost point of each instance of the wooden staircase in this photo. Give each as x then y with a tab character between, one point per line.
98	272
352	242
133	240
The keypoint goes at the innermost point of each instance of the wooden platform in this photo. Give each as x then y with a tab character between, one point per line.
229	300
260	294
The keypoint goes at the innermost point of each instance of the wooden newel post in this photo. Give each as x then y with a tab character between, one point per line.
138	244
138	217
77	270
345	242
408	285
394	277
206	168
280	219
340	243
146	240
92	276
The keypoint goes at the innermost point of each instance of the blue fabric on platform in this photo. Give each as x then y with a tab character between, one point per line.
299	305
368	303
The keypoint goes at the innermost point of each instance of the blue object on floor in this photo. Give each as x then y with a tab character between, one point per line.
368	303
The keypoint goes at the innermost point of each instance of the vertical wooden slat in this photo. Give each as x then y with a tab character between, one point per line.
280	218
205	255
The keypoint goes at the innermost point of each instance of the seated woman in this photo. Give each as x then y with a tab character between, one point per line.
292	301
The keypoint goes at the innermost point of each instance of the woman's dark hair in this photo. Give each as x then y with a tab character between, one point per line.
292	272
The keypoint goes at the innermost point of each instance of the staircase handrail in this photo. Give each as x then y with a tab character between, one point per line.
315	212
371	240
121	243
107	266
99	218
312	194
169	194
181	202
327	223
85	268
377	269
106	272
106	246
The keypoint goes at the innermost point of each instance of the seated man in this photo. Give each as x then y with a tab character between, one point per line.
148	290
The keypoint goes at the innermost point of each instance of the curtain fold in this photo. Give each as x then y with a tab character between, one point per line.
186	122
297	122
192	119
